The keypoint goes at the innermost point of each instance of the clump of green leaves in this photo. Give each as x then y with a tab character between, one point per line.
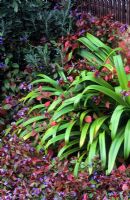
69	114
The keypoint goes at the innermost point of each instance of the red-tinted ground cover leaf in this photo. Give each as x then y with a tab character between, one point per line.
24	174
122	168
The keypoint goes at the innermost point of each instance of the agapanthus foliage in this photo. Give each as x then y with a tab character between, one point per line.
83	113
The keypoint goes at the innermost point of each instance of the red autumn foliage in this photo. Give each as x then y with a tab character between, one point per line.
122	168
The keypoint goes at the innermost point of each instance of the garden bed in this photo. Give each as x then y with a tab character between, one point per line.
65	79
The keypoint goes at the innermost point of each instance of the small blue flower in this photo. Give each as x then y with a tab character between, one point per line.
1	40
82	32
92	68
36	191
2	171
93	186
92	19
123	28
2	65
23	39
23	86
41	179
29	87
5	183
125	93
41	67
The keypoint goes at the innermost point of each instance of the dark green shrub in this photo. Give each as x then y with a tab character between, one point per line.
26	29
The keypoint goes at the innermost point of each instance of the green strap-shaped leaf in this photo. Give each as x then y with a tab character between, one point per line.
98	42
121	72
88	96
88	43
54	104
83	134
90	57
60	113
63	126
106	91
32	94
102	148
109	67
23	133
111	53
96	125
115	118
28	135
118	90
7	131
33	119
49	133
49	80
69	152
36	107
35	93
29	129
41	146
82	116
100	81
92	47
72	100
77	100
68	131
61	71
55	139
77	165
114	149
122	77
91	155
127	140
64	148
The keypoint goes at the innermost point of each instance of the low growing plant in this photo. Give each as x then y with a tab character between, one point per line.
25	174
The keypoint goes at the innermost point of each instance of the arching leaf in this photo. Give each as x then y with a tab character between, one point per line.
114	149
84	133
68	131
96	125
127	140
102	148
115	118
